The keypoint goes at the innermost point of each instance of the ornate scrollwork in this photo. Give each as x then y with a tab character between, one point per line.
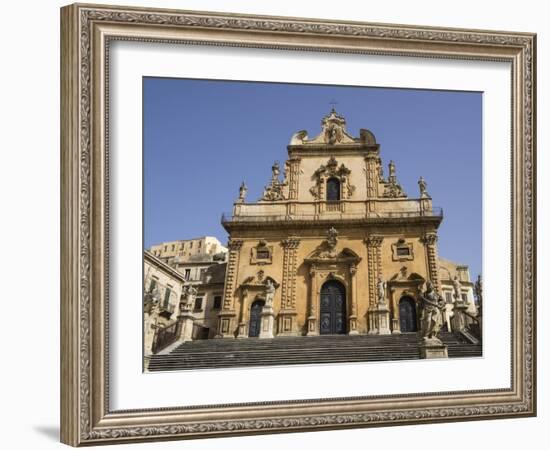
332	170
274	191
392	188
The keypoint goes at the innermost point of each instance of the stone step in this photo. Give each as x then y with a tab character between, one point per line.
224	353
267	361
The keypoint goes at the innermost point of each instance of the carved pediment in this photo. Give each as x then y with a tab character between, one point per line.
324	253
404	276
258	281
333	131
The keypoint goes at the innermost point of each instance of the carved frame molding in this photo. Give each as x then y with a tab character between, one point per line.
87	31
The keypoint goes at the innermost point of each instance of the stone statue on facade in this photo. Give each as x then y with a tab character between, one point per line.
332	238
275	172
392	187
189	294
242	192
457	288
274	190
381	287
431	320
391	167
269	293
422	186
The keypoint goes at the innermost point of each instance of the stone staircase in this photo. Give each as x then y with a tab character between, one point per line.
223	353
460	347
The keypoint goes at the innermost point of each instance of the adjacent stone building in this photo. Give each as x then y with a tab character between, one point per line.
166	286
334	245
162	291
185	250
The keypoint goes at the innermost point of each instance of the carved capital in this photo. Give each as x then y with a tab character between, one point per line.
234	244
429	239
374	240
290	243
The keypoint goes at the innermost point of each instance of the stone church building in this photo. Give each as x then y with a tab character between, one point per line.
334	245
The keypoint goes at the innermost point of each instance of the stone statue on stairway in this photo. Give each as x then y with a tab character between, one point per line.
381	285
269	292
432	314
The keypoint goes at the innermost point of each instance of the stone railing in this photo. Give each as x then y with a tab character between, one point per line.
228	217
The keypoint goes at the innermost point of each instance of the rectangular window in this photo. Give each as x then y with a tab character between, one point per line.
200	244
403	251
191	244
187	274
217	302
262	253
198	303
173	247
167	294
465	298
448	297
152	285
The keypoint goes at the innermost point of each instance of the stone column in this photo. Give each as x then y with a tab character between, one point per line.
226	325
241	330
293	177
374	259
430	242
353	301
372	166
395	325
287	314
185	324
267	321
458	320
383	318
312	329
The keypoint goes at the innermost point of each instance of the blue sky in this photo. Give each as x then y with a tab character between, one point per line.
202	138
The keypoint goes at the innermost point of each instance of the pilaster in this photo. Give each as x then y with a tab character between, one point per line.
312	329
293	178
242	332
395	325
372	167
352	325
430	242
374	264
227	315
287	314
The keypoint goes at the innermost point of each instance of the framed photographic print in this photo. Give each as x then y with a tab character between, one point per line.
276	224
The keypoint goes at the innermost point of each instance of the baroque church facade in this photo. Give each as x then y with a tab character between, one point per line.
335	246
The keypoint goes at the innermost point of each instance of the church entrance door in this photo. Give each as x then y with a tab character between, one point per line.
333	308
407	315
255	318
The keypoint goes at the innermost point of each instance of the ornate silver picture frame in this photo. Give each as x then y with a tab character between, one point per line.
87	33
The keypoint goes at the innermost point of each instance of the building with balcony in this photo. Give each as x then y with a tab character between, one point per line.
333	246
